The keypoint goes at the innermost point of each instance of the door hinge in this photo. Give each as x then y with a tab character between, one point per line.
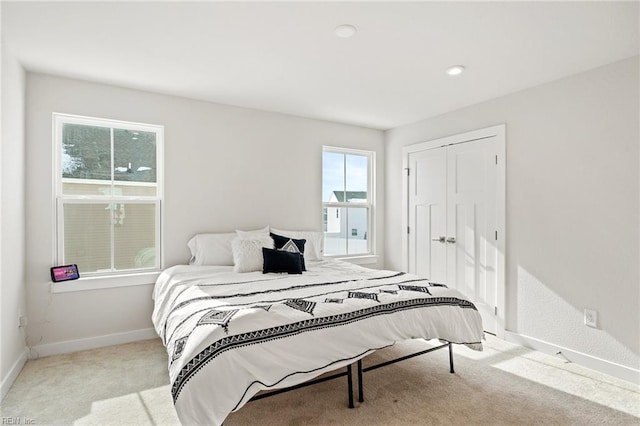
495	310
408	229
407	169
496	235
496	159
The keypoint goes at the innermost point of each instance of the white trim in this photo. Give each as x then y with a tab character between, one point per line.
70	346
105	281
368	259
501	225
111	200
116	124
101	182
620	371
498	131
13	373
342	150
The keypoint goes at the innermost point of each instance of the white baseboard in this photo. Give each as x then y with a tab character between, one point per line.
602	365
11	377
69	346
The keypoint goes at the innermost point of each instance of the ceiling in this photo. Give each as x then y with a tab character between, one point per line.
285	57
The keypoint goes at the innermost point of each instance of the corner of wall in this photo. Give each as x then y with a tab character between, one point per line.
13	353
8	380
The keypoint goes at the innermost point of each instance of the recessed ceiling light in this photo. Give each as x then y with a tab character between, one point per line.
346	31
455	70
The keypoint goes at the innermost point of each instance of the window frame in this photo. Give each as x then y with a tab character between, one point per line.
114	278
369	204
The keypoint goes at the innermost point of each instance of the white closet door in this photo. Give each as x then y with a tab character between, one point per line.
472	254
452	220
428	214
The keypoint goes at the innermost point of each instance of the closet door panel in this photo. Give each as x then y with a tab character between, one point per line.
471	248
428	214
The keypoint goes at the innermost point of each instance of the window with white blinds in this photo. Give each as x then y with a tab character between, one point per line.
108	197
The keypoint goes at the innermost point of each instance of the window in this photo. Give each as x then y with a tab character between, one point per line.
347	201
108	193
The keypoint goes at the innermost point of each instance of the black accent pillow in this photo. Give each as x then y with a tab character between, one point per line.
281	241
281	261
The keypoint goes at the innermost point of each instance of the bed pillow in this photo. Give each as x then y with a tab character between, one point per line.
247	252
291	245
313	247
279	261
253	232
211	249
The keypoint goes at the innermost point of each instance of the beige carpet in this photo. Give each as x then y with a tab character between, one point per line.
505	384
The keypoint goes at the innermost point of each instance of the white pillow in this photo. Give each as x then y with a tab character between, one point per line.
313	249
247	252
261	231
211	249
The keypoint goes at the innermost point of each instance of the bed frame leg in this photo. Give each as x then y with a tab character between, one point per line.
451	370
360	385
350	385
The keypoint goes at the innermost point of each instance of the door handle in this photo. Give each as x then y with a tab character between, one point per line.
441	239
451	239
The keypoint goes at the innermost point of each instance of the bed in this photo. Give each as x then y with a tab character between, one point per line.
230	335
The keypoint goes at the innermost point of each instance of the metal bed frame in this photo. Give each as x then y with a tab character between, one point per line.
349	374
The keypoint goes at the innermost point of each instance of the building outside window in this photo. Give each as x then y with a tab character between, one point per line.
108	194
347	201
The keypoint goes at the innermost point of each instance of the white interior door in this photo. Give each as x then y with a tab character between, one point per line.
471	225
428	214
453	220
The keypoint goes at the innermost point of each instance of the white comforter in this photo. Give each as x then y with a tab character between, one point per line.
231	335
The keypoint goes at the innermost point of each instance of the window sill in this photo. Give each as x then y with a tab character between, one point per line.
367	259
97	283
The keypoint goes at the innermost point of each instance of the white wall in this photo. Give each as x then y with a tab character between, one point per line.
225	168
12	223
572	206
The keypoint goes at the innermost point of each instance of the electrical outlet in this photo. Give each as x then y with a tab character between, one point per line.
591	318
